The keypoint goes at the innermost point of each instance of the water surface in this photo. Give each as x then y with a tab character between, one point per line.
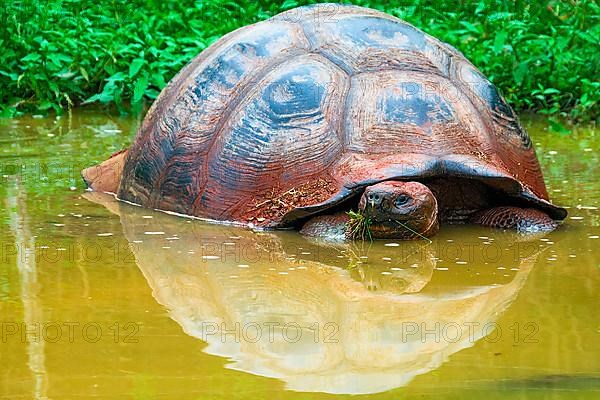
106	300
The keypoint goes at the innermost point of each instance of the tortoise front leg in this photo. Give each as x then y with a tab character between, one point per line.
523	220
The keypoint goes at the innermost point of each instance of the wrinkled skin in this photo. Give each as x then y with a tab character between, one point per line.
400	209
409	210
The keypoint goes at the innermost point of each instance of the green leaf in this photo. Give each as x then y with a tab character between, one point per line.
499	41
118	77
44	105
140	87
587	37
480	7
520	72
499	16
152	93
158	80
106	96
101	97
14	77
135	66
31	57
56	59
470	27
551	91
84	74
287	4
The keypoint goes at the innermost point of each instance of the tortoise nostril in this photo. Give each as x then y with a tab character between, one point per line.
374	198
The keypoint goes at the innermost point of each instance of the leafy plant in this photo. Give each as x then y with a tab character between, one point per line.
359	226
543	55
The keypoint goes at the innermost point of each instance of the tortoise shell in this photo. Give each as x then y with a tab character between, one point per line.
288	117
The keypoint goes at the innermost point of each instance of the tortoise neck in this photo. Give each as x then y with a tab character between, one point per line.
434	224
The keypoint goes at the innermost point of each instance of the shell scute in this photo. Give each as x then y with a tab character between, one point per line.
281	134
409	104
362	32
409	112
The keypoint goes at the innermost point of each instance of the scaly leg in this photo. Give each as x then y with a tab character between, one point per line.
523	220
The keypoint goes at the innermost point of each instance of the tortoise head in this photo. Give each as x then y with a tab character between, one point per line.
400	210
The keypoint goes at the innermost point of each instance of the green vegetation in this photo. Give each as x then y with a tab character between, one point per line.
359	226
543	55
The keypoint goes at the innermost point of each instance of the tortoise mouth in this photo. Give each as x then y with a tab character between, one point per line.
382	215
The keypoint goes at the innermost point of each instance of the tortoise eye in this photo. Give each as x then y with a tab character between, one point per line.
402	200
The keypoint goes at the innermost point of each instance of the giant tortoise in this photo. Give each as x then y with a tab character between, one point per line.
323	109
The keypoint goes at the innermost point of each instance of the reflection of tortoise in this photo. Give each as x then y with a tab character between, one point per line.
366	341
317	107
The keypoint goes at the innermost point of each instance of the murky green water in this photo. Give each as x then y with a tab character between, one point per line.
104	300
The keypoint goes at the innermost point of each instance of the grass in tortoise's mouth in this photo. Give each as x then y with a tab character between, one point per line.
360	226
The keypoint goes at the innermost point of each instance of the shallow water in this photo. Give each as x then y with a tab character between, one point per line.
101	299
